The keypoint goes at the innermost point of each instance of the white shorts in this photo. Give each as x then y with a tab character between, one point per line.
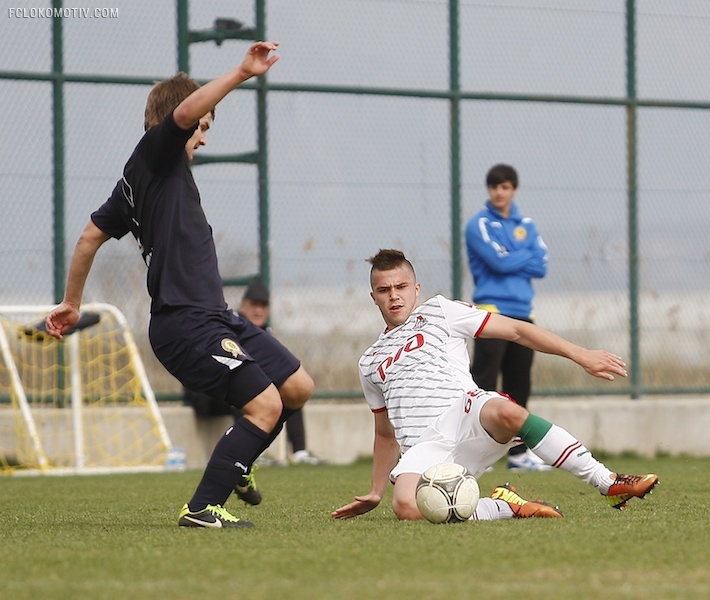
456	436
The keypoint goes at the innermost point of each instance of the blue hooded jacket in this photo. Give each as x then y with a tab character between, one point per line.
504	255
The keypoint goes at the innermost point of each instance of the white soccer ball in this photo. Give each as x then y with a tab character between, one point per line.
447	493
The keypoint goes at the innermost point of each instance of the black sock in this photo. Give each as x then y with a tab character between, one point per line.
296	431
231	458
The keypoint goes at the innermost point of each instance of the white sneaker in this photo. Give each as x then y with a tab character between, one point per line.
527	461
303	457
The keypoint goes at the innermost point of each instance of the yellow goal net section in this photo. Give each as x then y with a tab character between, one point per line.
82	404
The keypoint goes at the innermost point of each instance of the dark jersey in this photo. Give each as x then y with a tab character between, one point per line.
158	202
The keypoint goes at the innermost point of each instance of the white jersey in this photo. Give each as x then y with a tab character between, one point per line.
417	370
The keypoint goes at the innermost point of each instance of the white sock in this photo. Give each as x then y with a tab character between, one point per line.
561	449
489	509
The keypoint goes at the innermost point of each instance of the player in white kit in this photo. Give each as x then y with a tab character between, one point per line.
428	409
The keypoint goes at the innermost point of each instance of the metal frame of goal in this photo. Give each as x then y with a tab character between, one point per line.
82	404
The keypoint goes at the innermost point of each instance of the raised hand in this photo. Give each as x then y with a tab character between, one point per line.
257	60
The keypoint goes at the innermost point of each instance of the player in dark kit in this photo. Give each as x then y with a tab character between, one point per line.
193	333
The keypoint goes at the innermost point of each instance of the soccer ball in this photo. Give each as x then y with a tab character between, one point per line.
447	493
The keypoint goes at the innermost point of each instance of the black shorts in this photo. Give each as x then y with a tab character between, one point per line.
214	353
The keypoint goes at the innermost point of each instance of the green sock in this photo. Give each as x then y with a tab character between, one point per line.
533	430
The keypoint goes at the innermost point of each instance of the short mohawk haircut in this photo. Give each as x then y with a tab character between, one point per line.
388	259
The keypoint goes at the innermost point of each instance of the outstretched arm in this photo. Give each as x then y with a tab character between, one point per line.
385	456
256	62
66	314
598	363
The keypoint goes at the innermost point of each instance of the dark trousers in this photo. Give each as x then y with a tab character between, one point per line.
296	431
512	362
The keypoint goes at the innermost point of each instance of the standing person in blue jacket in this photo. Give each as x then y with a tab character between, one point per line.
505	253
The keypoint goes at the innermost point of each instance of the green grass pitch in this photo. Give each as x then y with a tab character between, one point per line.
111	537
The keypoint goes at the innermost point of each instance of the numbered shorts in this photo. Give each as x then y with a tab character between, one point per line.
221	354
456	436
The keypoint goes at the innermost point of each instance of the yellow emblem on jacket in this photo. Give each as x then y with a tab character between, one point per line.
520	233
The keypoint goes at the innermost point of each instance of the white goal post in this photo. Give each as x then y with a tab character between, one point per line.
82	404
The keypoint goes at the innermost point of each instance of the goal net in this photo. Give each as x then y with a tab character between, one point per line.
82	404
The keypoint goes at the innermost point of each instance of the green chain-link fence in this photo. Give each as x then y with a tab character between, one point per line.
376	130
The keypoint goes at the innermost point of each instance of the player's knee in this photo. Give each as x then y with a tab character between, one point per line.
502	419
406	509
297	389
265	409
511	416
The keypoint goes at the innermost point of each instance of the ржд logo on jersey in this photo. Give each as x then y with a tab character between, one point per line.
413	343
